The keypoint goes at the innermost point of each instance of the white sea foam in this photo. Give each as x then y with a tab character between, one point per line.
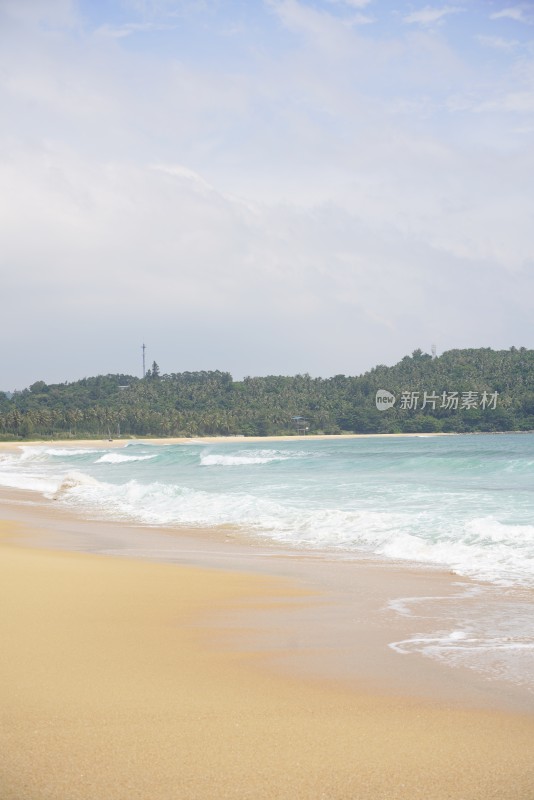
397	499
164	504
27	481
73	481
503	657
414	606
482	548
121	458
38	453
67	452
443	644
479	627
505	556
250	458
31	453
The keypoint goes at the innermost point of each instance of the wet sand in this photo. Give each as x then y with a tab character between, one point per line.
263	676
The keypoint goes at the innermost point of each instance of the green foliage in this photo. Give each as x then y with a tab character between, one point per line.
212	403
153	374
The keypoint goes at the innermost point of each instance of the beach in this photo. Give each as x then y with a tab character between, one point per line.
167	663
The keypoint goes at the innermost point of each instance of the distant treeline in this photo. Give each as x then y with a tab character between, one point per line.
459	391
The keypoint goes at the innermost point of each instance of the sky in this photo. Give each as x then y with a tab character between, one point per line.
262	186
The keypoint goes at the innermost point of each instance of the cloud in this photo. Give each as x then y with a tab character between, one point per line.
324	29
429	15
517	102
519	13
117	243
511	97
196	181
129	28
319	24
361	19
269	206
33	12
357	5
353	3
166	8
498	43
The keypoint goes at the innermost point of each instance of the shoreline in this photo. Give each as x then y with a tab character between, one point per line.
345	630
169	440
103	441
415	605
198	663
123	678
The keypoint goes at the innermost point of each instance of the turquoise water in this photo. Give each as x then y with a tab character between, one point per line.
462	502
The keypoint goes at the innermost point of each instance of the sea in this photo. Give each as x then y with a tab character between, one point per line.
463	503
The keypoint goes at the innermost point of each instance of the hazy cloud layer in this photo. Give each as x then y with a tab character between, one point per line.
273	187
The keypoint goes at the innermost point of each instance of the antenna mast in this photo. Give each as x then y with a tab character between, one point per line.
143	348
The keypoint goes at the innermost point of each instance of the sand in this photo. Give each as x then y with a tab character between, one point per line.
123	679
121	442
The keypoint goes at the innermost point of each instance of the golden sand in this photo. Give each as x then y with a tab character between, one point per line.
111	688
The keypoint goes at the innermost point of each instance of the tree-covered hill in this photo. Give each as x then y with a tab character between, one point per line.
459	391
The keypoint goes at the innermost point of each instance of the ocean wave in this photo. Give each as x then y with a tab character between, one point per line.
66	452
27	481
240	460
72	481
483	548
166	504
120	458
30	453
362	498
42	453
